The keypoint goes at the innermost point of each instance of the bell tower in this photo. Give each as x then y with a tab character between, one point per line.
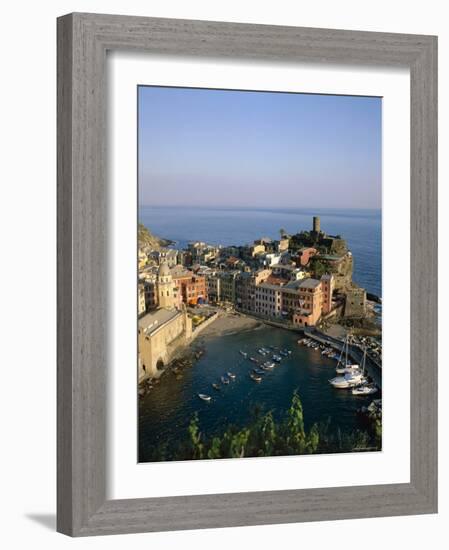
165	287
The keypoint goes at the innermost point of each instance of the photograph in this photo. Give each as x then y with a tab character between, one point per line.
259	274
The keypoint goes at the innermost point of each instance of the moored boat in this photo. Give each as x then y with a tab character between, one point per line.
344	382
348	369
231	375
255	377
365	389
204	397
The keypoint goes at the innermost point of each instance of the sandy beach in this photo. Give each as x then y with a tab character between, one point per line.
228	323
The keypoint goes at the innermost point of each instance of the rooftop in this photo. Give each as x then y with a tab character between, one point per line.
272	280
180	271
269	286
294	285
156	319
309	283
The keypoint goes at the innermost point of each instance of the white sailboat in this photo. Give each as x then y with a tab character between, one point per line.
350	375
348	380
343	366
364	388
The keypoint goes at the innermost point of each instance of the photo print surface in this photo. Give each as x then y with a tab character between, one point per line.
259	274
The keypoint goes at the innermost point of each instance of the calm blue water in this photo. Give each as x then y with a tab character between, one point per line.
361	228
165	413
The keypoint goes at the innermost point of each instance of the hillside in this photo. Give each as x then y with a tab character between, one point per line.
148	240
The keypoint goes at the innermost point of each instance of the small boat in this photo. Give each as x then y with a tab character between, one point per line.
268	365
259	372
255	377
364	389
261	351
352	376
224	380
216	387
253	359
343	382
277	358
231	375
204	397
348	369
243	353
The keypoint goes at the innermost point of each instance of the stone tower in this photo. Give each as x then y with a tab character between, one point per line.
165	287
316	225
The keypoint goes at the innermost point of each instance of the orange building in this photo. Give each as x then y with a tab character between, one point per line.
190	288
304	255
315	300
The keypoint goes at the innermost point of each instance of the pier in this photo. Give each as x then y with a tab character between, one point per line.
373	368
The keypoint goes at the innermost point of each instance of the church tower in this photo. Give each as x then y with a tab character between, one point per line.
165	287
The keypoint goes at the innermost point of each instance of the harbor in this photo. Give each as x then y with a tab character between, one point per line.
240	374
355	352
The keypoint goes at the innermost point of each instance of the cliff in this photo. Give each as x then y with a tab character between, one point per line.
148	240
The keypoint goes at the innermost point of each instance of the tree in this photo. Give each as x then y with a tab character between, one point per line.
215	448
195	444
294	430
319	268
313	439
266	435
238	443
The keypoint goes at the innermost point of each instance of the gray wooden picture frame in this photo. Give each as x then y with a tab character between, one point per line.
83	40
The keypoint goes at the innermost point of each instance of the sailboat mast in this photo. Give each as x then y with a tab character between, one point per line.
347	345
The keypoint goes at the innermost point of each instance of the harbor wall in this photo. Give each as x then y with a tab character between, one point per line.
199	329
355	353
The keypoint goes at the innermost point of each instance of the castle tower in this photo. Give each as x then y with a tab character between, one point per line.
316	225
165	287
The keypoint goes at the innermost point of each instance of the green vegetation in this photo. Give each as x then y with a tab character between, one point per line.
147	239
319	269
266	437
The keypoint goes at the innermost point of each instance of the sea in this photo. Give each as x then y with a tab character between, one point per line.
165	412
362	229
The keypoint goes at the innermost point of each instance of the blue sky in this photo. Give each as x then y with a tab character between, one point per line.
201	147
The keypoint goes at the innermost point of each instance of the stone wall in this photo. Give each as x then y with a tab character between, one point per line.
157	349
355	305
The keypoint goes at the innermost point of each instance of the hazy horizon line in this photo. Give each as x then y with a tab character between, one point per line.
267	207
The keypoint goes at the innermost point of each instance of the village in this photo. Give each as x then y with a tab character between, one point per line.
298	282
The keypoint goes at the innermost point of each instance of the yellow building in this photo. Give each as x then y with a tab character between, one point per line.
161	333
141	307
143	259
165	287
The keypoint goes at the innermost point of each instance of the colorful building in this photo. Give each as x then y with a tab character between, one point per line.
268	300
315	300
